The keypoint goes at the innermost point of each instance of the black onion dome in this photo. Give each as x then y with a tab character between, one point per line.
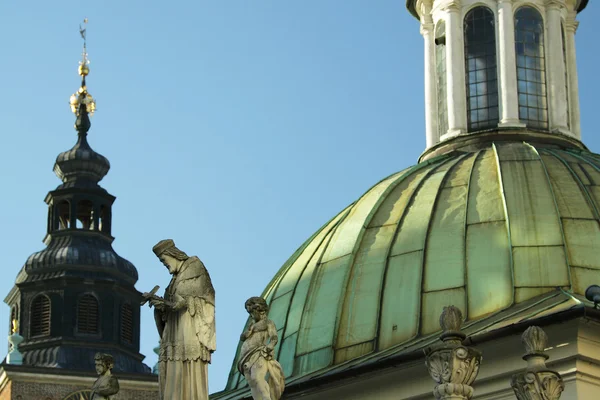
81	251
81	162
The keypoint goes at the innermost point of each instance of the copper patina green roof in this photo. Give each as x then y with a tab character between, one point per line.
484	229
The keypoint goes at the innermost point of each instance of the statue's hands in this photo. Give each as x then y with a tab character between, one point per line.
270	347
159	304
181	303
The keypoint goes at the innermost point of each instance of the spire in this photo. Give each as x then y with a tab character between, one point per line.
81	162
82	103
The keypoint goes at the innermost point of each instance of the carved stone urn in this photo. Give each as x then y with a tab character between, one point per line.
537	382
452	366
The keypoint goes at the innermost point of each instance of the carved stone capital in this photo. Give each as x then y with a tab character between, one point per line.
426	29
554	4
571	23
451	6
424	7
452	366
541	385
537	382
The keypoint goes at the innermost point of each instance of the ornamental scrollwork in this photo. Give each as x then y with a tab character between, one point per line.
452	366
537	382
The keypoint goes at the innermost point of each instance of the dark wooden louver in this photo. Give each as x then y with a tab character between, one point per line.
40	316
127	323
87	314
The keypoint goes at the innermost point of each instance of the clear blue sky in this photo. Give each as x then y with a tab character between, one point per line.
235	128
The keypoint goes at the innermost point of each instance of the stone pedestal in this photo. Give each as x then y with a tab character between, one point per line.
14	356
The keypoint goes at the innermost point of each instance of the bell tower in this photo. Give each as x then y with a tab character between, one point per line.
503	66
77	297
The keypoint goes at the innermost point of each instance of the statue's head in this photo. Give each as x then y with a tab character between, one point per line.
257	307
104	363
169	254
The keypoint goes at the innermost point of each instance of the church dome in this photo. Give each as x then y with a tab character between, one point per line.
482	228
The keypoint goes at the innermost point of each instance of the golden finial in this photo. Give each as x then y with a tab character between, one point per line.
15	326
82	97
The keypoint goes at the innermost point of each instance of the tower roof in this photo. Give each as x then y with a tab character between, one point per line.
78	277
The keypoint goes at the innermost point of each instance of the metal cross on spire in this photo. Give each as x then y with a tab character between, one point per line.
82	31
82	100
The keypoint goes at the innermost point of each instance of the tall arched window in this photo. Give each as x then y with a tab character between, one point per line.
480	68
87	314
531	75
63	215
85	215
440	61
40	316
127	323
564	48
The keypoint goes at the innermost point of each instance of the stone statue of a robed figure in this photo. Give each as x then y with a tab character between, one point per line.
256	360
185	319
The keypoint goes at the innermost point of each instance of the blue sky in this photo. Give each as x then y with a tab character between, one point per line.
235	128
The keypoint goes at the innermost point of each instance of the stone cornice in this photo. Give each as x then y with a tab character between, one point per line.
85	379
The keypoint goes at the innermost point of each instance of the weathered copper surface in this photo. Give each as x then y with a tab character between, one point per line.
481	230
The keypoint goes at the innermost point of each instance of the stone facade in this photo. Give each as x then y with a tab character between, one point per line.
22	383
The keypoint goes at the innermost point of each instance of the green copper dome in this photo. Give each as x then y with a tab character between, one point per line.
482	229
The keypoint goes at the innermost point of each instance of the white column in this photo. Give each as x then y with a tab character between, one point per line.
570	29
431	112
509	98
555	68
455	71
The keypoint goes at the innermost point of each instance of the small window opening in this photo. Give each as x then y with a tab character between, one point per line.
127	323
103	219
85	215
87	314
40	316
64	215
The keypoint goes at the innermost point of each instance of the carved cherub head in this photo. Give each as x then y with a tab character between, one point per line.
104	363
257	307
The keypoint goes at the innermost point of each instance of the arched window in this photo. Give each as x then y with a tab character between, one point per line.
85	215
64	215
104	219
480	68
87	314
531	75
127	323
40	316
564	48
440	61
